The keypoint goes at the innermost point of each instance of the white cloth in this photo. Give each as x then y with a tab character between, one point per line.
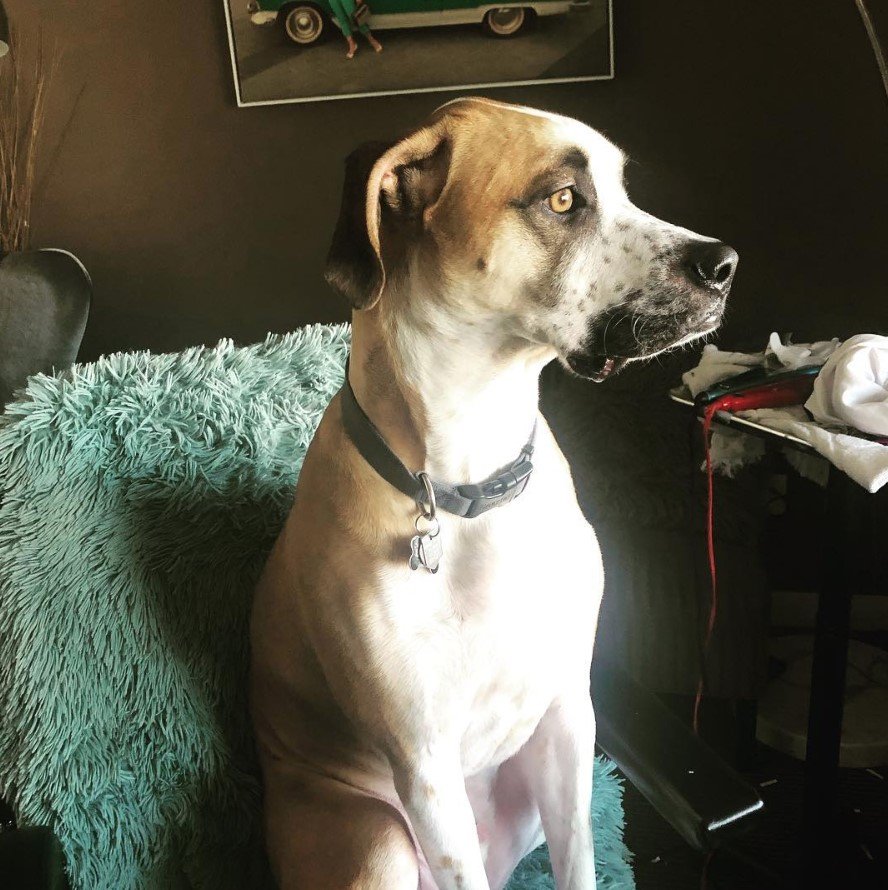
800	355
854	390
864	461
716	366
852	387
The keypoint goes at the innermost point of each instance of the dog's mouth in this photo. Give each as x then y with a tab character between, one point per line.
633	331
595	367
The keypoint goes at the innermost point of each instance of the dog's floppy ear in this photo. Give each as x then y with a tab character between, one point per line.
354	266
407	178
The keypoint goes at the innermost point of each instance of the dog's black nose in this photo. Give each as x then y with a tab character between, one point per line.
712	264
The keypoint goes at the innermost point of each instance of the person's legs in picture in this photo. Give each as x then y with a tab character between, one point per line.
365	30
343	17
343	10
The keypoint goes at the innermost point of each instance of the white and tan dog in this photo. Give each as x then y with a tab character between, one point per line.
427	730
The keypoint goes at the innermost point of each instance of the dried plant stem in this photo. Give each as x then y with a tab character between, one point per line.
23	90
874	42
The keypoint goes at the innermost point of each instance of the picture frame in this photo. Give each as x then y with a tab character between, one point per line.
293	51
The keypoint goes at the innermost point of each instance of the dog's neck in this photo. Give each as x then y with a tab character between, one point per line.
454	399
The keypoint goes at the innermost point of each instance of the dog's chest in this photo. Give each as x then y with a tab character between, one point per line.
524	621
509	683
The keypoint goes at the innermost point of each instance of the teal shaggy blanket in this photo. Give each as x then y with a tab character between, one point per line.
139	496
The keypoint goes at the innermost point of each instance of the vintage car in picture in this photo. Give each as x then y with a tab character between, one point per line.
305	22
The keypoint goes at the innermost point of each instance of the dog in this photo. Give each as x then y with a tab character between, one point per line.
420	676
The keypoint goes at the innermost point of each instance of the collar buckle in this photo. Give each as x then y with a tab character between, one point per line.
495	492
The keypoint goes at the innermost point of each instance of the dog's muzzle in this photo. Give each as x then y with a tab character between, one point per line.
672	309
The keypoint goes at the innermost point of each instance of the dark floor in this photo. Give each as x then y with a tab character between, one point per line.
663	861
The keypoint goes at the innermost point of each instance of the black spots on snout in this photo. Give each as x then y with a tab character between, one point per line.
481	264
644	321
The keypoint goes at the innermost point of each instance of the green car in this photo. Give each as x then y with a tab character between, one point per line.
306	21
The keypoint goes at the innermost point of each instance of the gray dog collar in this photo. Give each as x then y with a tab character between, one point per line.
468	501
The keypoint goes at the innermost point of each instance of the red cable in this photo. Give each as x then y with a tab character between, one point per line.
708	414
704	876
778	394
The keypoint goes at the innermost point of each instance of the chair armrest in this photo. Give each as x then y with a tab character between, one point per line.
689	785
33	858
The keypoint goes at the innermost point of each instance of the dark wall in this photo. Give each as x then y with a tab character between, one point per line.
764	124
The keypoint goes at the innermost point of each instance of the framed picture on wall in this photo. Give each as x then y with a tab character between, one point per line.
311	50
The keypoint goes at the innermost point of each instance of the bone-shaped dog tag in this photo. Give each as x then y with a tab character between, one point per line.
426	551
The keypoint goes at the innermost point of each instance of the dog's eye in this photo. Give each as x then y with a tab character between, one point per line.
561	201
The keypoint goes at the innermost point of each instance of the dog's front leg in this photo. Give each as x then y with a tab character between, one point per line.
433	791
558	761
